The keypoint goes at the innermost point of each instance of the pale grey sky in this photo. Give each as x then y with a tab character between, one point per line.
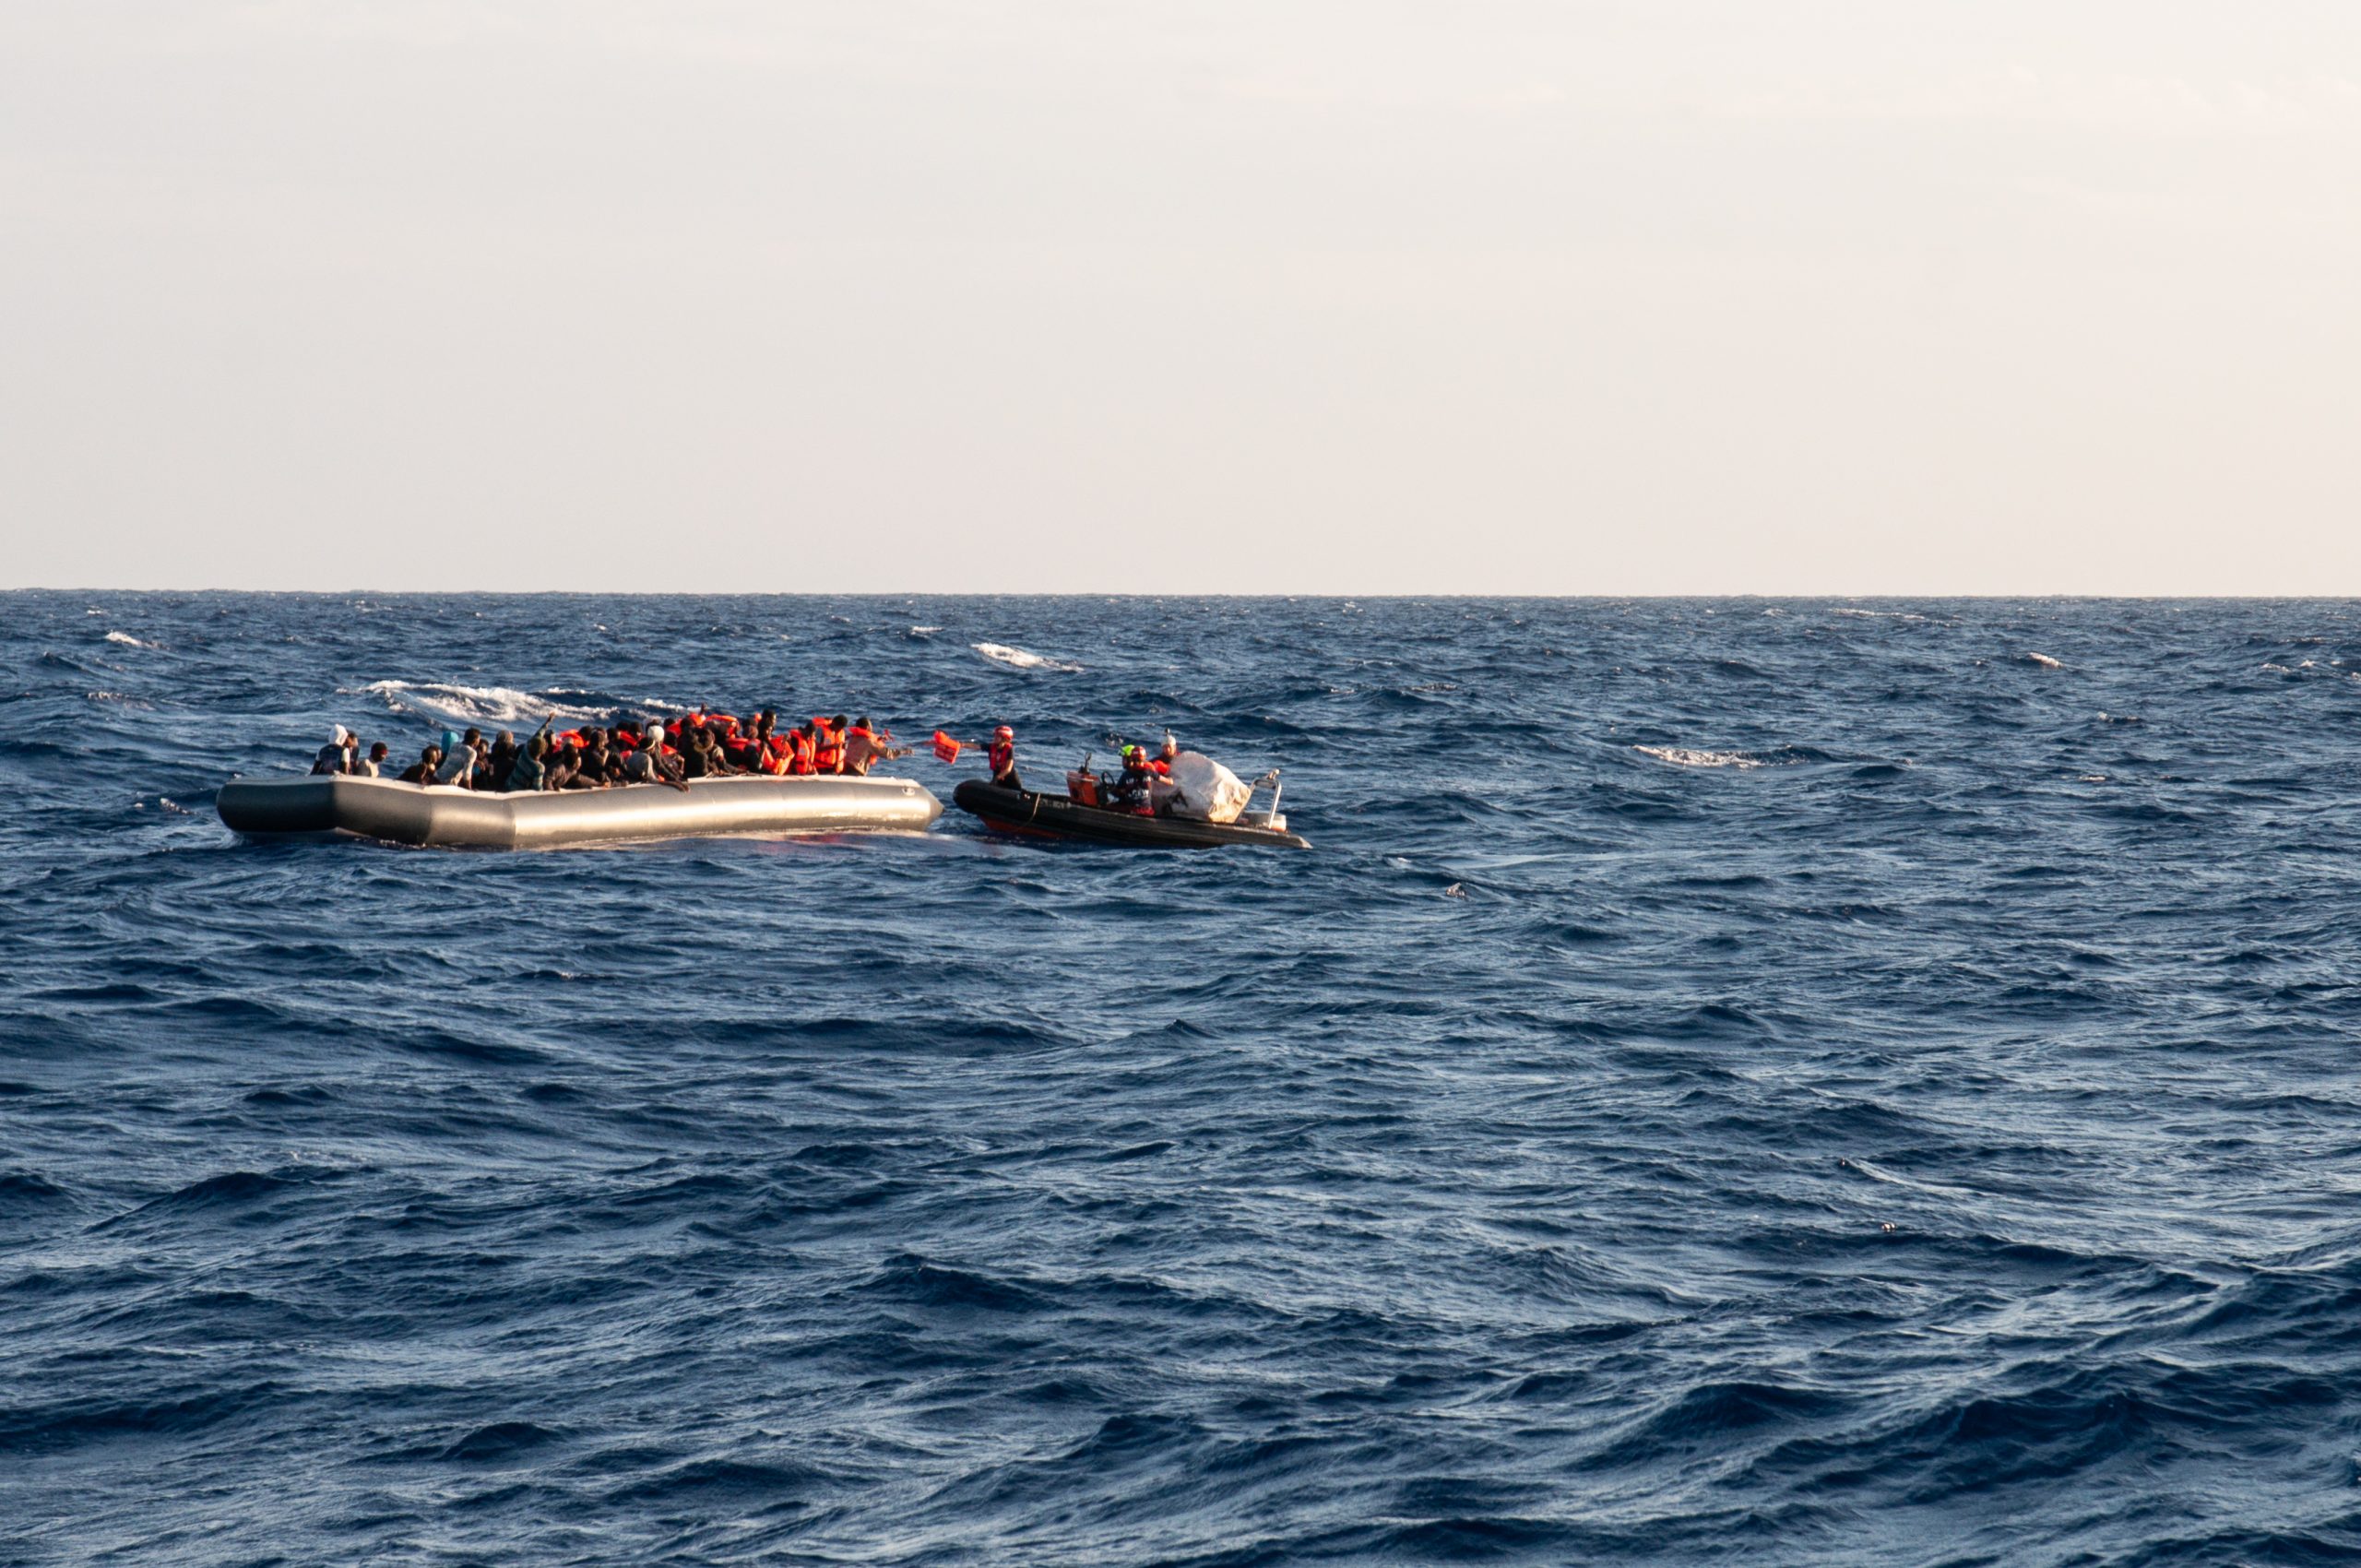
1551	297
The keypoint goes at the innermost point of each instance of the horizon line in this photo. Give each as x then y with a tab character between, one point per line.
1276	595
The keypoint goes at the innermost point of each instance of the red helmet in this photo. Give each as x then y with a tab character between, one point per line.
1003	733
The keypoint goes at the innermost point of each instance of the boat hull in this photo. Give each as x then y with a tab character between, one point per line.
1055	816
442	816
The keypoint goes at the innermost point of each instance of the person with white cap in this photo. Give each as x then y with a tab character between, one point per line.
648	764
338	754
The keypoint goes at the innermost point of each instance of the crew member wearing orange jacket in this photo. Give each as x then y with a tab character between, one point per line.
1002	759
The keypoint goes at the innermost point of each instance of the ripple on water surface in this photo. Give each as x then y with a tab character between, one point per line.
1798	1082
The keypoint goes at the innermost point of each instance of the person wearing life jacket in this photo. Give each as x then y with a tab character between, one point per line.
866	746
744	744
1162	760
1136	786
1002	759
860	747
761	741
827	745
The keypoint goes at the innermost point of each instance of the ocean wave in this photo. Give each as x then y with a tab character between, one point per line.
125	639
1684	756
476	704
2043	661
1018	658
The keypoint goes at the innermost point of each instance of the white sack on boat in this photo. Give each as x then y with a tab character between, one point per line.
1206	790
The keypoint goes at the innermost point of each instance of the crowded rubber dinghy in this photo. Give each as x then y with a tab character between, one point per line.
697	773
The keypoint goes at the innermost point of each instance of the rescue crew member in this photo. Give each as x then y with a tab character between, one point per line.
1134	791
1002	759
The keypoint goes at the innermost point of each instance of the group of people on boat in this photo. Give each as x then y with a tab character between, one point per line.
1133	790
699	744
694	744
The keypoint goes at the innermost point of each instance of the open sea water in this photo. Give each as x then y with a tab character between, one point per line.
1779	1082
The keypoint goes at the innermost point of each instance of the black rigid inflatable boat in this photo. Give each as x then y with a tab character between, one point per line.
1056	816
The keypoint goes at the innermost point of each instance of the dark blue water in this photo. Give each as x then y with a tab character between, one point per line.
1771	1083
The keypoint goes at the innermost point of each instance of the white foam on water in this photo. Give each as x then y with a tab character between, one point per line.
2043	661
127	640
924	630
474	704
1682	756
1018	658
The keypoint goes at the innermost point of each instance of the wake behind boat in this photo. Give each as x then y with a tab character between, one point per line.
445	816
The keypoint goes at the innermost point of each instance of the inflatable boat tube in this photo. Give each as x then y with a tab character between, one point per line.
442	816
1056	816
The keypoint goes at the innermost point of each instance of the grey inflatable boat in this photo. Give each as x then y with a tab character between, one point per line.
442	816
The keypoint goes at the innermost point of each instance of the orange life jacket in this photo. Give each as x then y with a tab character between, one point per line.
827	750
